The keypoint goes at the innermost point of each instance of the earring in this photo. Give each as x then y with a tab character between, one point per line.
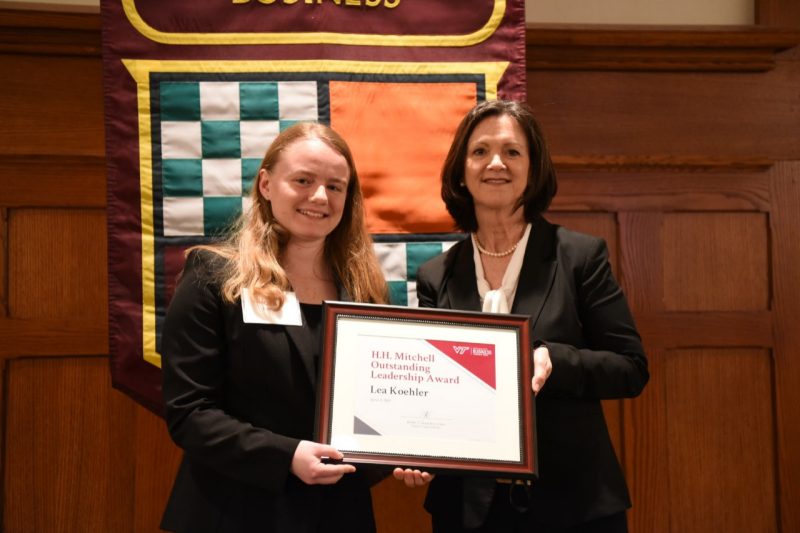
462	184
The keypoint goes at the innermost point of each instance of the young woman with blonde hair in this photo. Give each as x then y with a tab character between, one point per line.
240	346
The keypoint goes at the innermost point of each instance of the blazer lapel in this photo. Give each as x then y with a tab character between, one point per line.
462	277
305	344
538	272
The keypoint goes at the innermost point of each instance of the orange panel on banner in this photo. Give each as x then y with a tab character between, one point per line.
399	158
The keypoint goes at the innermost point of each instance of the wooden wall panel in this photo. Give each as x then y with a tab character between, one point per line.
62	109
642	261
636	184
669	48
67	465
602	225
156	458
58	266
646	422
3	262
721	441
778	13
716	262
785	226
61	181
713	115
645	419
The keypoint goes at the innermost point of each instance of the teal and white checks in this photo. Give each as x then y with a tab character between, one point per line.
213	136
400	260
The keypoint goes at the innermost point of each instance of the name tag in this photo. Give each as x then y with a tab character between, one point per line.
288	315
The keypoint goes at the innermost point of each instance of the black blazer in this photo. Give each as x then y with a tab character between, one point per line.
239	398
579	312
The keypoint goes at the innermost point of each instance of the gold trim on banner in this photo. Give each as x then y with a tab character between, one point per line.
140	70
358	39
148	224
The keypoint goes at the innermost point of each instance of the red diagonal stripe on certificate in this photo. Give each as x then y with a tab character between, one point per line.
476	358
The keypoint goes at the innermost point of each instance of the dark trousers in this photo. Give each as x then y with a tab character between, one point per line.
504	517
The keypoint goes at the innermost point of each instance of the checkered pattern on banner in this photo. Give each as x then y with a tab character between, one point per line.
401	259
213	137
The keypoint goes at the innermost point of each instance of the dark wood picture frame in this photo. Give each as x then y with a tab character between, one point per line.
343	321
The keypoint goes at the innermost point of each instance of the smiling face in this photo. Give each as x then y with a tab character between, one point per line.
497	165
307	188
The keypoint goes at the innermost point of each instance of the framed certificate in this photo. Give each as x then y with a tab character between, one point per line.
428	388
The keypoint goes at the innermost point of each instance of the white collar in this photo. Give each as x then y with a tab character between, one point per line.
258	312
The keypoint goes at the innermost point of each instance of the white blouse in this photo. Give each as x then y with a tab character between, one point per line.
500	300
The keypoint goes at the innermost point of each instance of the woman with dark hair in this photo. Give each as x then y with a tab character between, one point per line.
496	182
240	346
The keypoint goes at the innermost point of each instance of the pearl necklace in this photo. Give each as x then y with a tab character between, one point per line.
483	250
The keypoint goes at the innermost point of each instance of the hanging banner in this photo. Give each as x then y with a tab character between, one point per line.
196	91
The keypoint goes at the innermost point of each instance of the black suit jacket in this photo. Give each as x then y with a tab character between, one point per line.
579	312
239	398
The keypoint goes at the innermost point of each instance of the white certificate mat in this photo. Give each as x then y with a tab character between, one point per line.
431	388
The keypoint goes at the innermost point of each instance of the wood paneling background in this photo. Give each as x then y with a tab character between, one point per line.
681	147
